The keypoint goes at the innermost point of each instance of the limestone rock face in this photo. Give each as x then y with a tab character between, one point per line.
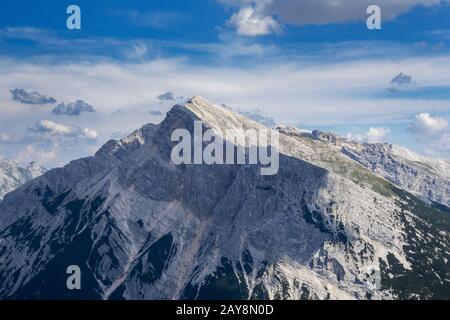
427	178
141	227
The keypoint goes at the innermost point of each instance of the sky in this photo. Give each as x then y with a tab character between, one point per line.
312	64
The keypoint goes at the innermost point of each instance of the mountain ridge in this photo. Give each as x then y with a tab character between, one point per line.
141	227
12	175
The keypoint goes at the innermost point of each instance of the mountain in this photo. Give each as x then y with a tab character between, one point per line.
141	227
427	178
13	175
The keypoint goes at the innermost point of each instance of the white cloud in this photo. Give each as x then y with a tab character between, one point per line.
441	146
319	93
248	22
373	135
438	146
90	134
29	33
377	134
50	142
58	129
5	138
433	133
425	126
34	97
138	51
314	94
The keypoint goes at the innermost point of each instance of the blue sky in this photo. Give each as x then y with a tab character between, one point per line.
175	26
312	64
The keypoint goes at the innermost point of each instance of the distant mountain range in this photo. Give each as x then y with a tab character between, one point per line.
12	175
140	227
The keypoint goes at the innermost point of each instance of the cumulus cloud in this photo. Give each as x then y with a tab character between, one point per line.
251	23
34	97
319	12
90	134
57	129
373	135
73	109
433	132
425	126
49	143
322	93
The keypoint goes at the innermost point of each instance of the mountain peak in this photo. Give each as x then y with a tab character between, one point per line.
142	227
198	99
218	117
199	105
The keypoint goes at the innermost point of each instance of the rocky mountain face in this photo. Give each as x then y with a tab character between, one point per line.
427	178
141	227
13	175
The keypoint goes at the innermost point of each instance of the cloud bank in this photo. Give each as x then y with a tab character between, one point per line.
73	109
318	95
58	129
25	97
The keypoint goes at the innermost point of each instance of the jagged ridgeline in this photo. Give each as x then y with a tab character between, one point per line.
140	227
12	175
